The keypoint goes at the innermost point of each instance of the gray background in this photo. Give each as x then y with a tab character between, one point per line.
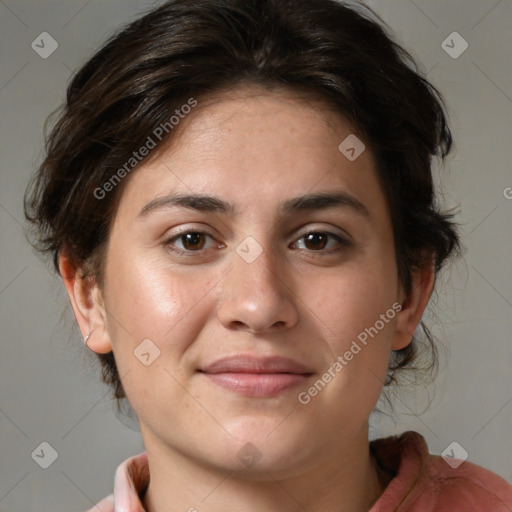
48	390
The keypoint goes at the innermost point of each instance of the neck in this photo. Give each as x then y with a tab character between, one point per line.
349	481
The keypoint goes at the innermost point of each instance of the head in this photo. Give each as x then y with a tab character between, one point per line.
247	178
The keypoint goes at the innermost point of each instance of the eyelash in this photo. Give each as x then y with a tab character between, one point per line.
343	243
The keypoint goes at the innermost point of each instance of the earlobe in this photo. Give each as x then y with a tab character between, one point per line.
86	301
413	306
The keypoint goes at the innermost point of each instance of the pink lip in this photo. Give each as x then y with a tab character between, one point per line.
257	377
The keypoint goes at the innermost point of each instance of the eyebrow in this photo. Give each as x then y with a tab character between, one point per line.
197	202
307	202
323	201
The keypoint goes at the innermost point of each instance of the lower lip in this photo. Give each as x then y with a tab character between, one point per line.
257	384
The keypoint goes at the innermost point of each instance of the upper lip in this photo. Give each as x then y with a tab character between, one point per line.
251	364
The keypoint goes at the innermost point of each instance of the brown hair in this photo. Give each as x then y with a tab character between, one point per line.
191	48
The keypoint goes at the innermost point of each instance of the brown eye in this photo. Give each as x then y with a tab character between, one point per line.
193	241
317	241
190	241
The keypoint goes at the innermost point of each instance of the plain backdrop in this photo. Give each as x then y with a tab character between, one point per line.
50	393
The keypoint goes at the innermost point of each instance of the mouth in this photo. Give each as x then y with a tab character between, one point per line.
256	377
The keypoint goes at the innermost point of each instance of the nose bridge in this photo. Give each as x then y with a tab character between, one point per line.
255	294
255	273
256	260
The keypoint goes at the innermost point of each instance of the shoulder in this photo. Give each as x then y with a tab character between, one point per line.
469	484
425	482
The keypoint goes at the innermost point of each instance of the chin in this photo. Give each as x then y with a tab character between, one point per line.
262	445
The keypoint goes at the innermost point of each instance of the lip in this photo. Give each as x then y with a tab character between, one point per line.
256	376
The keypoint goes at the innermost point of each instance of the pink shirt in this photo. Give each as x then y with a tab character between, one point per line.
422	482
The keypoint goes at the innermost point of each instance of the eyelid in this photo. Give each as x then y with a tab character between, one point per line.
183	229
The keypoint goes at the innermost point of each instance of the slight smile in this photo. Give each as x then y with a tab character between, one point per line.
257	377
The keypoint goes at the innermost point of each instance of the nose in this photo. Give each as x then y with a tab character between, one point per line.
257	296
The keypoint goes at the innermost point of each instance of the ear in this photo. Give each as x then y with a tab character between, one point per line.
87	302
413	306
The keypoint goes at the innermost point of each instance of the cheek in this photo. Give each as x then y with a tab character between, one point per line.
151	300
352	299
358	321
359	348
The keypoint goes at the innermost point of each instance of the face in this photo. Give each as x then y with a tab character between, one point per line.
245	261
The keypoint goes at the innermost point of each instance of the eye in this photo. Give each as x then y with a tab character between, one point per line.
190	241
320	241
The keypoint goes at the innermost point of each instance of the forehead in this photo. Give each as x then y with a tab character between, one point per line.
249	144
244	118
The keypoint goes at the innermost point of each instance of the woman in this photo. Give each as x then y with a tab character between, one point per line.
238	196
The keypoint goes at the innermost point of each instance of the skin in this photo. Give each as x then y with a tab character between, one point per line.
255	149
